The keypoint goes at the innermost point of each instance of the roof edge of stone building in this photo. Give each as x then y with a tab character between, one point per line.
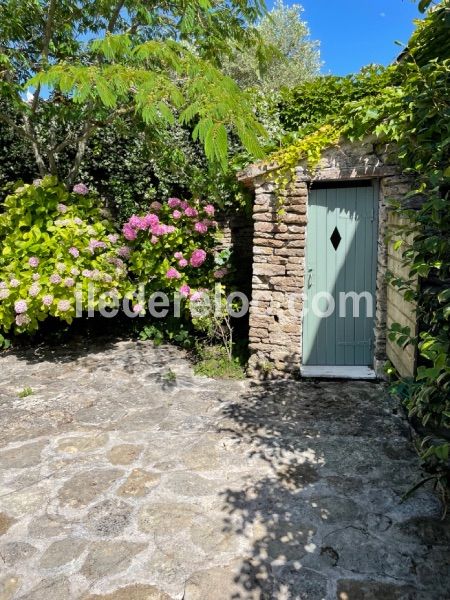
364	158
258	169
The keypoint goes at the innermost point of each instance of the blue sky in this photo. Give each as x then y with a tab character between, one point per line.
354	33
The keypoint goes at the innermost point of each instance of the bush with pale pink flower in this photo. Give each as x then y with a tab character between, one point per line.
173	251
53	244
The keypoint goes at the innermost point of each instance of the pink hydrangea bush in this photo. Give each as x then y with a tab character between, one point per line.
172	249
66	244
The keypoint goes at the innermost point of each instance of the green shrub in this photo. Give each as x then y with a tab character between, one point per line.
214	361
53	245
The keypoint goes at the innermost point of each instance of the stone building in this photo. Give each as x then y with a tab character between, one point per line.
328	248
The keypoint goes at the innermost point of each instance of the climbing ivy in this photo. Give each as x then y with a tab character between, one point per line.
308	148
310	119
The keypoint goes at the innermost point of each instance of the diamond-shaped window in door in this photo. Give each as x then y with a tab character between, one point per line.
335	238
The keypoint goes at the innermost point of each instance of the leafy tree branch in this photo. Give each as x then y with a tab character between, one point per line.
155	59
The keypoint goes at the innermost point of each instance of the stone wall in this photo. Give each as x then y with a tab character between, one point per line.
400	310
278	274
279	252
391	187
237	231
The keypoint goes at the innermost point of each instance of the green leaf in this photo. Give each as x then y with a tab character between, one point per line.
106	94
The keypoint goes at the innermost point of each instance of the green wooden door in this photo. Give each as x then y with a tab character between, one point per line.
341	250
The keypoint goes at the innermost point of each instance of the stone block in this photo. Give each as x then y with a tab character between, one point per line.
268	269
265	216
296	218
268	242
270	227
299	227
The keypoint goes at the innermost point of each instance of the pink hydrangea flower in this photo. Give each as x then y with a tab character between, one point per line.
69	282
117	262
128	232
138	309
20	306
173	202
14	282
178	255
113	237
3	285
63	305
55	278
86	273
162	229
185	290
47	300
74	271
177	214
196	296
184	205
36	277
74	252
78	221
4	293
150	220
154	239
190	211
135	222
198	257
156	206
61	208
81	189
183	263
34	290
22	320
210	223
94	244
172	273
124	251
220	273
143	224
200	227
33	262
209	210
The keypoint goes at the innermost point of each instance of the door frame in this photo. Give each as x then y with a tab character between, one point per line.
349	371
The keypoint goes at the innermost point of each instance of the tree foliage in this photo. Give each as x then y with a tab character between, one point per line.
322	99
295	58
130	165
70	68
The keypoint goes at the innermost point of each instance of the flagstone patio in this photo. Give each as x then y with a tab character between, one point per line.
125	477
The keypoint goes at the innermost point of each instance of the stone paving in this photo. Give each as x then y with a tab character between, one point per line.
125	477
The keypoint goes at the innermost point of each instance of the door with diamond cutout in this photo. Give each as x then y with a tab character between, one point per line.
340	276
